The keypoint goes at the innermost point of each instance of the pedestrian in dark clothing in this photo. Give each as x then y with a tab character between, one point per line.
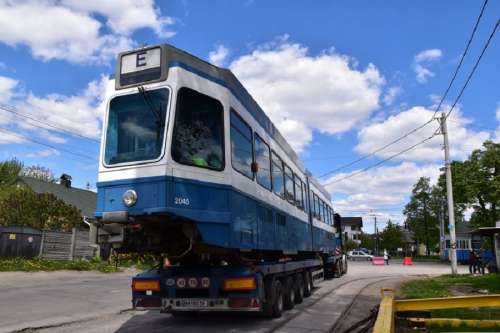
472	261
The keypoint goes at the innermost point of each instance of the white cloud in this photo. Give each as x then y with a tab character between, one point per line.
219	55
81	113
391	95
7	88
298	134
428	55
326	92
7	137
69	30
44	153
378	189
424	58
126	16
462	139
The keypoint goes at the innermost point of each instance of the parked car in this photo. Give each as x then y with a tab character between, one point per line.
359	255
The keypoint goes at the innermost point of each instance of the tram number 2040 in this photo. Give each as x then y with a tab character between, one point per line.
181	201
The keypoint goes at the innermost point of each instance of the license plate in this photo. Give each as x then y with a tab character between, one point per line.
197	303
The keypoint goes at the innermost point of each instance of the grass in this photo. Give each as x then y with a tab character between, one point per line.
439	329
36	264
439	286
140	262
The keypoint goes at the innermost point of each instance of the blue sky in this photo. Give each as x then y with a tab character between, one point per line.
339	78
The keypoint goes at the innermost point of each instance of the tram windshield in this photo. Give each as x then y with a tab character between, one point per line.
136	126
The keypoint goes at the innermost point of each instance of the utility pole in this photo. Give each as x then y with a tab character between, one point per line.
449	194
376	236
427	249
442	242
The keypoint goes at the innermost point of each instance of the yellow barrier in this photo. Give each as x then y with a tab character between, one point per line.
385	317
389	306
447	303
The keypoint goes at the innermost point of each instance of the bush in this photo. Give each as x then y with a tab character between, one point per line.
36	264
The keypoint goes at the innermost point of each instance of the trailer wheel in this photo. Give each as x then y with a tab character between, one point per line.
344	267
289	294
307	284
273	307
299	288
337	269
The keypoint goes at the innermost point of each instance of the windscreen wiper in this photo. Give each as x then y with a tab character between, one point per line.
147	98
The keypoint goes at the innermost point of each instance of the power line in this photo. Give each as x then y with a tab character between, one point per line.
379	163
439	105
474	68
462	58
377	150
10	109
47	145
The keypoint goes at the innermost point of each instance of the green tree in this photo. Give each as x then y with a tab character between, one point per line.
350	245
476	184
9	171
21	206
419	217
368	241
391	238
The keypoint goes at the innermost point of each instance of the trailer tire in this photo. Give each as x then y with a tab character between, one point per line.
345	266
273	306
307	284
289	294
299	288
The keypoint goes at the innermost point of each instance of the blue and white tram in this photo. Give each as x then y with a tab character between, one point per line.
190	162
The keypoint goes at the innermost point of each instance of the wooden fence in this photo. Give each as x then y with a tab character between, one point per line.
59	245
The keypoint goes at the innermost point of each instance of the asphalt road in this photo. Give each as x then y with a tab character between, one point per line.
96	302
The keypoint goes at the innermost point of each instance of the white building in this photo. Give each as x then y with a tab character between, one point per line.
352	228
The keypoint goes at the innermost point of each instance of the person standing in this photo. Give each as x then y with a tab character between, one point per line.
386	257
472	261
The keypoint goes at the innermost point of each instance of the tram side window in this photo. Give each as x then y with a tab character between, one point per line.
198	138
263	159
322	212
304	197
329	211
241	145
278	185
298	193
316	207
289	195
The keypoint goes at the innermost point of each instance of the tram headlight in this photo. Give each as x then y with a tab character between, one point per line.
129	198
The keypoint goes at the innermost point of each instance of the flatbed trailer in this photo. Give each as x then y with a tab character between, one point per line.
266	287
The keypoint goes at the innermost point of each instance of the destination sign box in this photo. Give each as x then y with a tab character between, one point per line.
141	67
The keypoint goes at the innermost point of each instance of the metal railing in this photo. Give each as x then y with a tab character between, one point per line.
385	322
